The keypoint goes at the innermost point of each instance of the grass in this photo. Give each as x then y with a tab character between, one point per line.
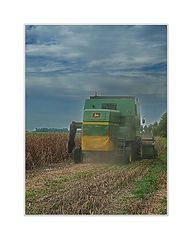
149	193
30	194
149	183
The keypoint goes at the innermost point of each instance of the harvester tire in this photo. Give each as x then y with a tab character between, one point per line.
77	155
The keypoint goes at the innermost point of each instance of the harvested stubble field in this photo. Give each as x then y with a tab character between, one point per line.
88	188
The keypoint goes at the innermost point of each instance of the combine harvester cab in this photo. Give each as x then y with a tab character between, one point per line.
110	129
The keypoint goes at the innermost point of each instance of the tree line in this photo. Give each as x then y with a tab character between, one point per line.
51	130
157	128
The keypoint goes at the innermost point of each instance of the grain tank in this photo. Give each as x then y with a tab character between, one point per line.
111	127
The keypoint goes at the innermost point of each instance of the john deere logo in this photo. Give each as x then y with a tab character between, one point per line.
96	115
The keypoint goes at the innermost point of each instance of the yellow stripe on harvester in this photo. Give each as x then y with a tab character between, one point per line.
97	143
100	123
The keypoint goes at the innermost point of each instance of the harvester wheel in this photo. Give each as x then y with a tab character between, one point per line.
77	155
148	150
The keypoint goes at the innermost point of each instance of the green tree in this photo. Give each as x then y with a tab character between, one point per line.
163	125
155	129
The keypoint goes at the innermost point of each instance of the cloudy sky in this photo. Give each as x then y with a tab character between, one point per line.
66	64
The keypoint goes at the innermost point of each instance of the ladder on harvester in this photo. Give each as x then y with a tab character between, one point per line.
120	150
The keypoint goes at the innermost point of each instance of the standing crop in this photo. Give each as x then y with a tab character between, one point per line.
43	149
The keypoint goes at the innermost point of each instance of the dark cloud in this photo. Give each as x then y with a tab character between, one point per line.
65	64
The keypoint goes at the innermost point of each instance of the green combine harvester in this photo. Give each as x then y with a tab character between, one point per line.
111	129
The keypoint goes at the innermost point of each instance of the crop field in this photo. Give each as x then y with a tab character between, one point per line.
43	149
55	185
